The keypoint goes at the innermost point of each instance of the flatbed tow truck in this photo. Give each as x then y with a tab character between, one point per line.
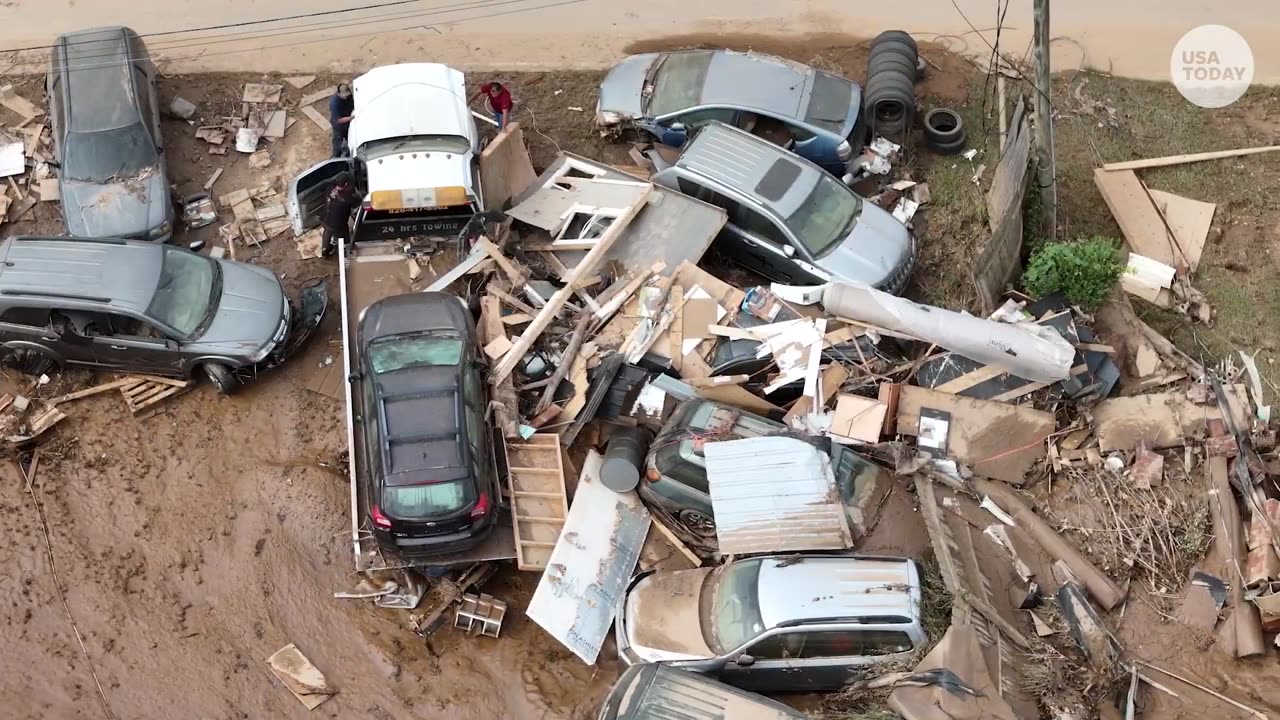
415	161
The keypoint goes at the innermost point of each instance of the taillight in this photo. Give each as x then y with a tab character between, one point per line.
482	507
380	521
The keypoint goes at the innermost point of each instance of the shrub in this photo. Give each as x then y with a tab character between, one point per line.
1084	271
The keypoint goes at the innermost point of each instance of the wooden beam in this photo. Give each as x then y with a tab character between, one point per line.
1180	159
516	274
557	301
570	352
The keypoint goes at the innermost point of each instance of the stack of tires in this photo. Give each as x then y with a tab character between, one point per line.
889	98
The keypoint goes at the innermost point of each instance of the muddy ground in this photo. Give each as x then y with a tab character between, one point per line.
193	544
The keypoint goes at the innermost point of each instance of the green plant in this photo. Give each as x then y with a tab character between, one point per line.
1084	271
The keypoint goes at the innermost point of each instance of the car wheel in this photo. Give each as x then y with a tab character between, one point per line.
224	381
698	523
29	361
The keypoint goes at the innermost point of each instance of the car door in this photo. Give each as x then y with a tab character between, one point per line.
765	245
307	192
767	663
125	343
675	130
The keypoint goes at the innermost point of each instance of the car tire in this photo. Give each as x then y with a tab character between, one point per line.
29	361
901	36
943	128
891	60
698	523
953	148
221	377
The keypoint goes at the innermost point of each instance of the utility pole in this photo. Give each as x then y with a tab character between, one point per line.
1047	174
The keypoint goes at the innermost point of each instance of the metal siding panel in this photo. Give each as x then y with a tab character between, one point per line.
774	494
589	568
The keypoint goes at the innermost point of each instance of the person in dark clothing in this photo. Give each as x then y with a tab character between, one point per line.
336	221
342	107
499	99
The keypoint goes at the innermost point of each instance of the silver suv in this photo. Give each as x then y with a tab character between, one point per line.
134	306
778	623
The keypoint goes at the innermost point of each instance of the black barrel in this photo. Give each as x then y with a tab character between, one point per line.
624	459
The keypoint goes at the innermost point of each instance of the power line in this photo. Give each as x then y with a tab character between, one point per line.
329	38
373	6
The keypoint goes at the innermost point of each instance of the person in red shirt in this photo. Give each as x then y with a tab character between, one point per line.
499	98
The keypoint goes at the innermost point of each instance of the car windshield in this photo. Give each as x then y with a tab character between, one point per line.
417	501
825	217
735	606
678	82
455	144
394	354
829	102
108	154
188	290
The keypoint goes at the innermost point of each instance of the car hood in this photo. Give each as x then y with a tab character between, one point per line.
127	207
622	88
878	245
662	618
250	310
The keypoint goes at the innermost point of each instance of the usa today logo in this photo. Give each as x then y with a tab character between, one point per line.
1212	66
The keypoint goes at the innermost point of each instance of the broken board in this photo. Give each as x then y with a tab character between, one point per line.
538	502
592	563
996	440
300	677
1190	220
1164	420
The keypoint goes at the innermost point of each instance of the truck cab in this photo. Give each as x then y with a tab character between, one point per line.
415	153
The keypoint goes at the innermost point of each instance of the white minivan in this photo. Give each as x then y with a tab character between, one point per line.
415	154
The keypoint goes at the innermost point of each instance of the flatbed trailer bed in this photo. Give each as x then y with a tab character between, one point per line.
368	272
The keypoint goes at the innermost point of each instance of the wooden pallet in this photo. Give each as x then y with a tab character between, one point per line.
144	391
538	502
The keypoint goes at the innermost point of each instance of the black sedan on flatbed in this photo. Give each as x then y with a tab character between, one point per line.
421	398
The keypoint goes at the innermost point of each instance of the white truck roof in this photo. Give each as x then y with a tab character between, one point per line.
414	100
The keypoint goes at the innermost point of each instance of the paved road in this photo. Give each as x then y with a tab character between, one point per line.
1128	37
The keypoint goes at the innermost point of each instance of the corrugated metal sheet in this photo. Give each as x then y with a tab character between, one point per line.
591	564
774	494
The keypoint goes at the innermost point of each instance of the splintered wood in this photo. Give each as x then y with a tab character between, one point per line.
538	503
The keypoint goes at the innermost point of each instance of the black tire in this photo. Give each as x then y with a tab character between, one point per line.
890	80
221	377
894	61
899	35
893	48
953	148
943	127
29	361
698	523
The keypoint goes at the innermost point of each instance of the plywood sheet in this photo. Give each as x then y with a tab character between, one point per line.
1190	220
996	440
1137	216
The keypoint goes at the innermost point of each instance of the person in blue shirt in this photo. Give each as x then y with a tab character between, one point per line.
342	108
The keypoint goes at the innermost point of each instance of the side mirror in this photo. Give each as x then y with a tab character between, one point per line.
788	250
744	660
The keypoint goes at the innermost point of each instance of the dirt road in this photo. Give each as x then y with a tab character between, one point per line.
1130	39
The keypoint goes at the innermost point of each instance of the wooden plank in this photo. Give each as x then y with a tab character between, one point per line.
92	391
539	503
498	347
1191	158
1137	216
314	116
995	439
1164	420
516	274
585	266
